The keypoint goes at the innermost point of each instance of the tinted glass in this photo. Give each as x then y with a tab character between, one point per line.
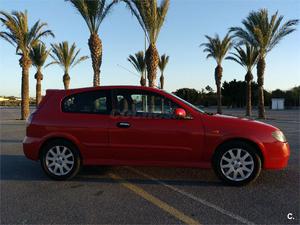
140	103
87	102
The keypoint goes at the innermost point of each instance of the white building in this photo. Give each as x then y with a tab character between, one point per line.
277	103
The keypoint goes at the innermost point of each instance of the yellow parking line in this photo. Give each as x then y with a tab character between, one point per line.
157	202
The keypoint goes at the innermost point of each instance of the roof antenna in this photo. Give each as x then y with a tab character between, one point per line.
133	73
124	68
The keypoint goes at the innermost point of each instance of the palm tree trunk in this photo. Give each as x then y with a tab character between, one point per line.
143	83
248	79
25	64
143	80
95	46
261	64
162	81
38	94
218	78
152	59
66	80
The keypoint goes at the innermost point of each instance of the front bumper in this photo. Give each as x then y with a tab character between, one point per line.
31	147
276	155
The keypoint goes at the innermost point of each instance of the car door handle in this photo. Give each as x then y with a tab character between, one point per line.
123	125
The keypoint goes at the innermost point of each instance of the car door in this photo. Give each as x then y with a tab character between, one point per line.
143	128
86	117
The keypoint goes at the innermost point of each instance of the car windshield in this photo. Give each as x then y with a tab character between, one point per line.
187	103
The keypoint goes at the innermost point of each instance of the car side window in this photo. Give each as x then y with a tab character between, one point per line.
95	102
143	104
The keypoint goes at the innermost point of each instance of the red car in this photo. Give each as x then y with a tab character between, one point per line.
141	126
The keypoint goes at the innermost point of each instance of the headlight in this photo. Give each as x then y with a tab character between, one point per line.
279	136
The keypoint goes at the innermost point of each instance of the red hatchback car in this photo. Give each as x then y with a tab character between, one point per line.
141	126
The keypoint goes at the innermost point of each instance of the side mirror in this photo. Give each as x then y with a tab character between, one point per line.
180	113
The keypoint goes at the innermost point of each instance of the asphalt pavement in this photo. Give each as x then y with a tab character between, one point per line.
144	195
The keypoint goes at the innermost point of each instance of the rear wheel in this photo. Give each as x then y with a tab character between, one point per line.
60	160
237	163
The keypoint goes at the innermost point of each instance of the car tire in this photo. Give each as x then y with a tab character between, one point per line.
60	160
237	163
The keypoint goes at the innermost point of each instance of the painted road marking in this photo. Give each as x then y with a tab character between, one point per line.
197	199
155	201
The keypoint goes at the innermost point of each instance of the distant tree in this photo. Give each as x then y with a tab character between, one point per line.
139	63
278	93
188	94
94	12
202	92
38	56
66	57
292	96
163	61
217	49
23	37
296	95
234	93
209	89
151	17
264	33
209	99
289	99
246	58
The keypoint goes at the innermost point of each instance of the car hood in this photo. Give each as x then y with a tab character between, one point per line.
241	122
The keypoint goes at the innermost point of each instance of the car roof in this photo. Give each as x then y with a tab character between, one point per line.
110	87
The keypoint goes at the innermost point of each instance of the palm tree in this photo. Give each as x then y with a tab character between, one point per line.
65	57
247	59
93	13
21	36
38	55
217	49
151	18
163	61
138	62
264	33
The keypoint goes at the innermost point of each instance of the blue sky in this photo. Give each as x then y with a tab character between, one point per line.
186	24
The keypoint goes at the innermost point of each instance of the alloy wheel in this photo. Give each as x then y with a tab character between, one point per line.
60	160
237	164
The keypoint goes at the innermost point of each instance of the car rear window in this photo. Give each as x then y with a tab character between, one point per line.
87	102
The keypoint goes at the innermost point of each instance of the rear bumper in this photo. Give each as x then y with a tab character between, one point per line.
276	155
31	147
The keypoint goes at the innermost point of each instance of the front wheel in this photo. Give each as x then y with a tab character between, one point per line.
237	163
60	160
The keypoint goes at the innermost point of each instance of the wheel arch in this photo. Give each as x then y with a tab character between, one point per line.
55	138
255	145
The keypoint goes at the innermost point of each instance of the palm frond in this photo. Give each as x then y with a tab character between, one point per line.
19	34
278	35
52	63
149	15
217	48
235	59
93	11
163	61
39	54
8	37
262	31
138	61
65	56
81	59
246	57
